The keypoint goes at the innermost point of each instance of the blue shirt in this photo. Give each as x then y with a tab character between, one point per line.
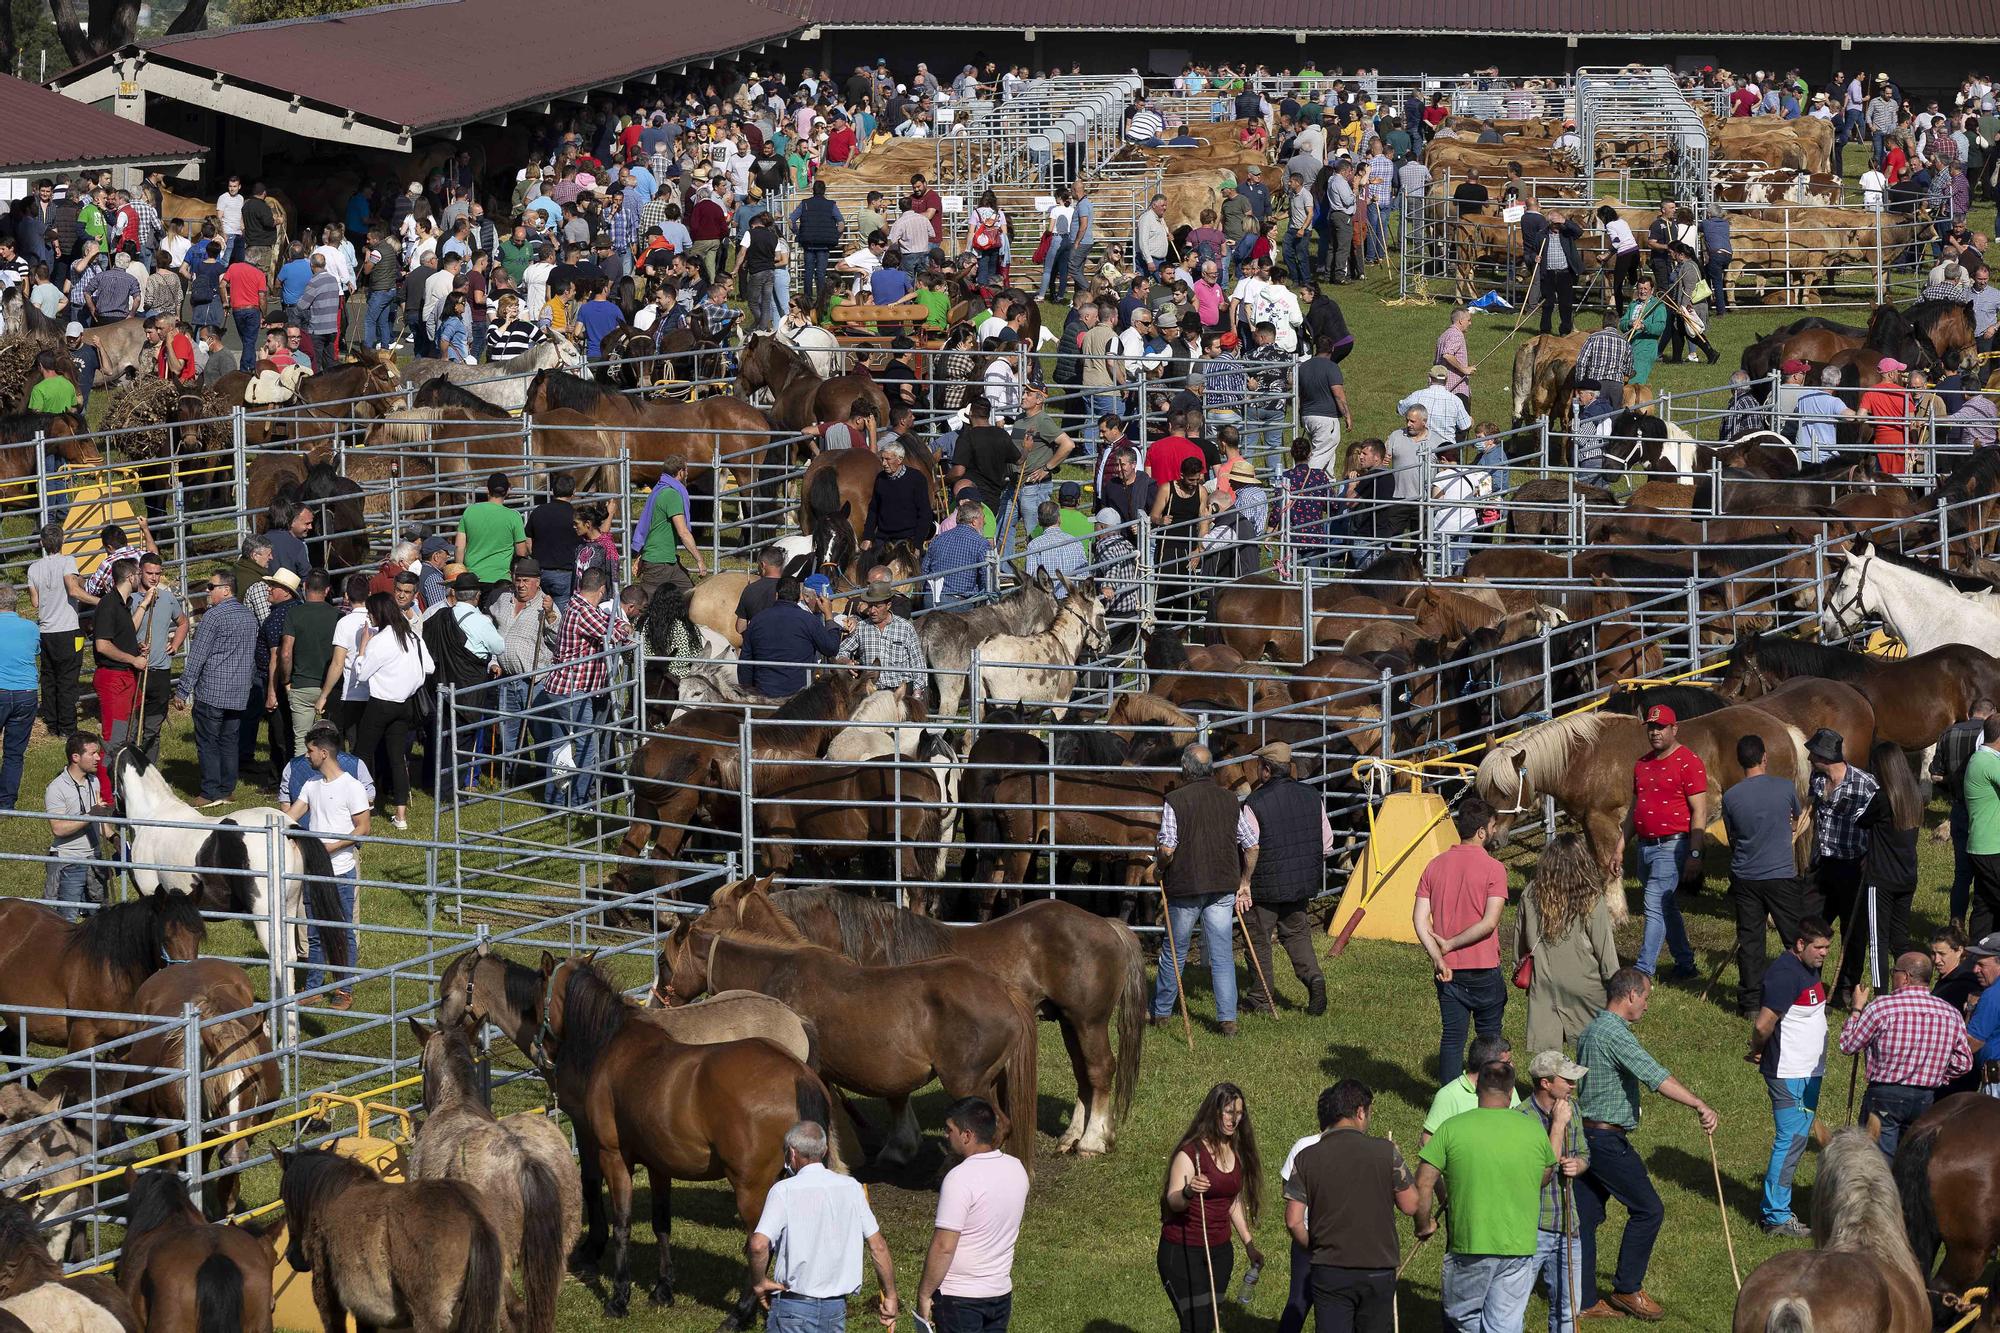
783	632
292	280
19	641
357	215
890	285
1819	419
1985	1022
955	564
207	273
598	318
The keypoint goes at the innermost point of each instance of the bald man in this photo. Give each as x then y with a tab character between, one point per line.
1204	832
1916	1043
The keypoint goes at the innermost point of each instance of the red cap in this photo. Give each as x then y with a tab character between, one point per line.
1795	367
1659	715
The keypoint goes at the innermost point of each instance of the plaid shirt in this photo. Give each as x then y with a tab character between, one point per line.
580	666
1381	176
149	225
1605	356
99	581
1117	564
222	658
892	649
1837	813
1618	1064
1551	1219
1961	740
624	228
1912	1038
1059	553
715	319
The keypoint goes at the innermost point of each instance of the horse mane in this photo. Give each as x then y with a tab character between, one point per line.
1544	751
314	1178
1975	475
593	1014
1686	700
157	1197
764	921
1960	582
866	924
1789	657
563	389
817	702
1856	1206
520	987
23	1248
444	392
1886	325
129	939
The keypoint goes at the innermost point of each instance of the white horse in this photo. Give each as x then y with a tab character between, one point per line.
819	347
1924	608
1041	669
504	383
872	732
228	861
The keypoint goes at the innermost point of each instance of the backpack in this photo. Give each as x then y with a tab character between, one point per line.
986	235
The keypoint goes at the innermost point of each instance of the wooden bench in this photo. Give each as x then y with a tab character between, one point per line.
894	320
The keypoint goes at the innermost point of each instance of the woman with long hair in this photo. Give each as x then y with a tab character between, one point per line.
1565	927
670	634
595	547
1893	819
453	337
1213	1188
394	665
986	236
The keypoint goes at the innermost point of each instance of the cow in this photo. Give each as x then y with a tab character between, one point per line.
1804	247
121	350
1776	185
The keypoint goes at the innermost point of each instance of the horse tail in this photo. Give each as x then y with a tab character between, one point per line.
323	898
1912	1170
1790	1315
1017	1084
822	499
541	1244
1131	1010
218	1296
479	1295
814	1106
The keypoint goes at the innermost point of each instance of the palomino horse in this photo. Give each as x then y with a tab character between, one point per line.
885	1031
1921	605
520	1166
638	1098
98	963
419	1255
185	1274
1859	1276
504	385
1080	968
949	637
34	1291
33	1143
1948	1172
799	397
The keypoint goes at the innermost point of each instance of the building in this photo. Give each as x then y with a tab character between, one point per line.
48	135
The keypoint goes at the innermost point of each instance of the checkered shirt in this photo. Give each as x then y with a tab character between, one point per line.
149	225
892	649
1057	553
99	582
1605	356
1117	563
580	665
222	657
1912	1038
1837	813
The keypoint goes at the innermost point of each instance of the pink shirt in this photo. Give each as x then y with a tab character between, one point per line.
1459	884
982	1199
1451	343
1208	302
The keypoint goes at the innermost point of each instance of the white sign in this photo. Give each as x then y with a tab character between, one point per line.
954	203
1513	214
1044	202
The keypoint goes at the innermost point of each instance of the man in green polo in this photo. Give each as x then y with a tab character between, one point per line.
490	535
53	393
1981	784
1462	1093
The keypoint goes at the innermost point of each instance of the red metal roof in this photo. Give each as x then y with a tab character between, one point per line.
1936	20
45	131
435	63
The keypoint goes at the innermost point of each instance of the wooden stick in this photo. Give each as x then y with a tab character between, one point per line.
1415	1250
1201	1216
1722	1207
1715	975
1250	947
1173	956
1569	1246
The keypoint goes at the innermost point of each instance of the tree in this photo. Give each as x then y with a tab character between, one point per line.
108	25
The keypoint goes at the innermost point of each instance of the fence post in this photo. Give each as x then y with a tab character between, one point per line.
1944	533
745	806
1305	615
191	1104
1388	705
41	479
238	460
282	946
1694	623
973	702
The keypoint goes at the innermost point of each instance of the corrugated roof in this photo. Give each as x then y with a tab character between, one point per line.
436	63
45	131
1947	20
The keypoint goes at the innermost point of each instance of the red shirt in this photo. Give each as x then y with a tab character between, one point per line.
929	199
1742	102
182	349
246	286
1661	785
840	144
1459	883
1887	407
1164	457
707	222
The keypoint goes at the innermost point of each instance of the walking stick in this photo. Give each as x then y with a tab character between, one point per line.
1250	947
1569	1246
1173	957
1715	975
1722	1207
1201	1214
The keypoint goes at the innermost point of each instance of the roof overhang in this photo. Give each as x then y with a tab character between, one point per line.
1293	30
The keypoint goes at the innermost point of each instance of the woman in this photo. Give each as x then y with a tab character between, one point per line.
1956	982
394	666
511	335
1214	1184
1308	491
1683	278
1892	819
1184	509
670	635
1060	225
595	547
1624	248
454	340
958	368
986	238
1565	926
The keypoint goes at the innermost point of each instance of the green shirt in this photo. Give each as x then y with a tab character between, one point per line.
52	396
1493	1162
938	303
663	546
1043	428
1618	1064
516	258
1982	796
1077	524
492	530
1455	1098
309	625
91	218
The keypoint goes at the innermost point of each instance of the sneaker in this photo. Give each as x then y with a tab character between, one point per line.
1790	1229
400	825
341	1000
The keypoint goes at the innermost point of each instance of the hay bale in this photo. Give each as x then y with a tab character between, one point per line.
18	354
147	409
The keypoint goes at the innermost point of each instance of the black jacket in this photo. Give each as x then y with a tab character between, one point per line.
1565	236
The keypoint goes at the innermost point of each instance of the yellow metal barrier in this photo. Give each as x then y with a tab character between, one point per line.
1972	1294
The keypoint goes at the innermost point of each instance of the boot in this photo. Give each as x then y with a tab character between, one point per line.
1316	996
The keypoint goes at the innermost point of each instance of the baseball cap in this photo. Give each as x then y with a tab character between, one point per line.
819	585
1988	946
1554	1064
433	546
1107	517
1069	492
1439	372
1889	363
1659	715
74	330
1795	367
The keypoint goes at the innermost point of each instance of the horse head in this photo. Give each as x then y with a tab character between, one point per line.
568	355
1846	606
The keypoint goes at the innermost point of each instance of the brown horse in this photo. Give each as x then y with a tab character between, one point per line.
185	1274
419	1255
799	397
98	963
834	816
636	1097
1859	1276
1947	1171
327	402
1914	698
885	1031
34	1291
847	492
1077	967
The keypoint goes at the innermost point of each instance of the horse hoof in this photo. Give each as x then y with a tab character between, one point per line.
620	1303
661	1296
582	1269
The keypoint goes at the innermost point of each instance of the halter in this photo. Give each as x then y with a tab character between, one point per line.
1092	636
538	1049
1853	606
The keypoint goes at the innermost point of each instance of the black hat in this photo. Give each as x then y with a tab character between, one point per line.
1824	746
467	581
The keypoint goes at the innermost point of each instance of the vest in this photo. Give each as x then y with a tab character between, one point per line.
1205	853
1351	1216
1288	842
817	227
1248	105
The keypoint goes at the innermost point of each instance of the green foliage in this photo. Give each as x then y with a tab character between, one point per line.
264	11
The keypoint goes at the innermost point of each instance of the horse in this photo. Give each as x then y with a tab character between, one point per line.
819	346
339	538
949	637
839	484
1972	490
419	1255
638	1098
869	811
1076	967
1924	607
97	963
56	1146
34	1290
886	1031
1914	698
520	1167
886	722
185	1274
1860	1275
1030	669
1947	1171
504	384
799	396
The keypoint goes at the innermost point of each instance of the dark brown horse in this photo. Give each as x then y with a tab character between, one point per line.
1947	1171
21	458
1914	698
839	484
98	963
884	1031
185	1274
799	397
833	816
1077	967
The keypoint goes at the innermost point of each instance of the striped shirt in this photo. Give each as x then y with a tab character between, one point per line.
506	341
1912	1038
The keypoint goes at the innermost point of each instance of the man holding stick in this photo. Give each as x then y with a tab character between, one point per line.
1916	1044
1291	838
1554	1077
1203	834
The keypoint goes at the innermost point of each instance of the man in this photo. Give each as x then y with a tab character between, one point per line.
1606	359
786	640
1055	553
1290	839
810	1236
884	642
957	561
280	589
565	707
243	286
221	663
666	534
336	806
287	536
967	1284
56	590
162	620
491	535
1322	405
305	654
1916	1044
1561	266
69	801
1342	1193
465	645
1841	796
1553	1077
1125	487
527	616
1455	358
1982	839
1764	818
18	691
1444	411
1495	1164
1461	1094
1202	832
1949	758
1608	1101
120	657
1406	450
1669	802
1788	1043
1457	920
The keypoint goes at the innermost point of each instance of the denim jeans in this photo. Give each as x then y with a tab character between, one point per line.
1263	427
564	717
558	583
1298	253
971	1314
248	322
1032	495
346	886
1793	1101
1298	1297
1474	997
1376	247
66	883
813	281
1055	272
512	701
806	1314
215	737
1555	1274
1961	864
1217	914
17	721
1616	1172
1899	1105
1486	1293
1660	866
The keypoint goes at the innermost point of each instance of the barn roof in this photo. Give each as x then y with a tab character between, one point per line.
47	132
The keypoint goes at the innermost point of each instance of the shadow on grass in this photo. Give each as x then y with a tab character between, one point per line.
1379	1074
1697	1177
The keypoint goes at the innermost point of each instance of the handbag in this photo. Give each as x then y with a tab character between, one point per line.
1042	246
1524	971
1702	291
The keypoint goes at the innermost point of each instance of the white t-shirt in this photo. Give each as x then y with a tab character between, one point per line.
347	634
1248	290
177	248
230	209
1285	1171
1454	486
1620	232
394	672
1874	189
331	808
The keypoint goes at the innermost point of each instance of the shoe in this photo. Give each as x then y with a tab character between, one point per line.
1685	971
341	1000
1158	1020
1601	1310
1316	998
1229	1028
210	805
1637	1304
1790	1229
400	825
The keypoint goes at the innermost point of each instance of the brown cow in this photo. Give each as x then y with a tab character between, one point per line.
1803	247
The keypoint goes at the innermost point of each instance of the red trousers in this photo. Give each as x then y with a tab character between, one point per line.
117	696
